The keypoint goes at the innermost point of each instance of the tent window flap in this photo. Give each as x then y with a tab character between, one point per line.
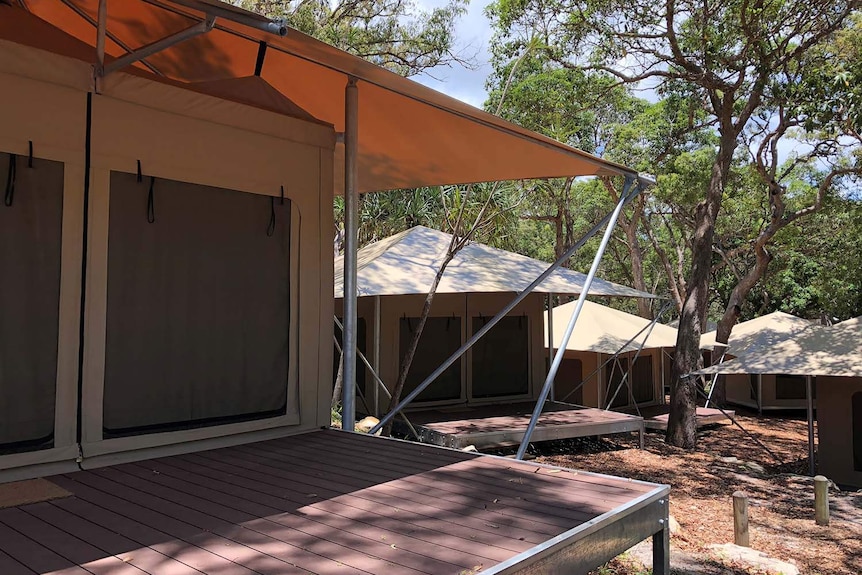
198	307
30	248
501	359
441	337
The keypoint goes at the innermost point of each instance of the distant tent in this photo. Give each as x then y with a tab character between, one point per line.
606	330
406	263
762	331
816	351
832	355
602	349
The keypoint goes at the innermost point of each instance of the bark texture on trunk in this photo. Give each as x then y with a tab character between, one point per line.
682	420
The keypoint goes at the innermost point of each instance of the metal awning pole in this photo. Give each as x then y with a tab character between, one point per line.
376	351
551	334
627	196
809	398
244	17
558	357
351	236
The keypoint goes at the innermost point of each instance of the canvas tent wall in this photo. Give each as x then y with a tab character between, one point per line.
508	364
191	330
602	338
761	391
834	356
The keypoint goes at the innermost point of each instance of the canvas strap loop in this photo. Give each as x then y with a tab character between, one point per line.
30	156
151	208
10	180
140	175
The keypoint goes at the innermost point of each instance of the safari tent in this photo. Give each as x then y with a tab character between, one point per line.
772	391
484	397
168	169
833	355
613	358
508	364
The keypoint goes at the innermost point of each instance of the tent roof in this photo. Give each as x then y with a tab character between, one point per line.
406	263
409	135
763	331
816	350
605	330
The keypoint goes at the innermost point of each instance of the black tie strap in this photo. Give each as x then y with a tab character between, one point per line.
151	209
10	180
270	229
140	175
30	157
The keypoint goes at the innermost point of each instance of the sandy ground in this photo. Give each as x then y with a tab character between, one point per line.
780	494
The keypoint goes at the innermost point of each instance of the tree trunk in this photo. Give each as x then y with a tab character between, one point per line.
630	226
339	384
682	420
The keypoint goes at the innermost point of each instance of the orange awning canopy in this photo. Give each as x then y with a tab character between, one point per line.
409	135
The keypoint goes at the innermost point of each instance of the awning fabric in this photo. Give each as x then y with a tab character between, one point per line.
406	263
409	135
816	351
605	330
763	331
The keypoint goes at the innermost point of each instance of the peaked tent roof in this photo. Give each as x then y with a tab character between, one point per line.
760	332
606	330
409	135
817	350
406	263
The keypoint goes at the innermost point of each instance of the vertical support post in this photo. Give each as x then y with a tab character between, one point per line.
351	237
821	500
809	400
551	336
558	357
740	519
661	544
759	394
376	353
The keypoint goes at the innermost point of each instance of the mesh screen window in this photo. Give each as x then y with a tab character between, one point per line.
790	387
440	338
198	307
501	358
31	218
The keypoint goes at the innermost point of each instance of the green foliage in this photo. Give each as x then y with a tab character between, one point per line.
394	34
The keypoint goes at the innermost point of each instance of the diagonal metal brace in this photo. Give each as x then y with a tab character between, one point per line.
201	27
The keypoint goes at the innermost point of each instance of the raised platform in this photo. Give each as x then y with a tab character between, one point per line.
655	417
504	424
333	502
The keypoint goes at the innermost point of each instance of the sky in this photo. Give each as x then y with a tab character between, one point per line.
473	36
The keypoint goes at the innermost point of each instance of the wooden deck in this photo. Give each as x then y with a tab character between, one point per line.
655	417
502	425
331	502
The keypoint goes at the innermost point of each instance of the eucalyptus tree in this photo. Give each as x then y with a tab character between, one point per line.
764	72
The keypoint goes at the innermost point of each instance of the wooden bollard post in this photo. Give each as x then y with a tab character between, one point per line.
740	519
821	500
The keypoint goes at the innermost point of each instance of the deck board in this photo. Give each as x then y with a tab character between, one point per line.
504	424
323	502
656	417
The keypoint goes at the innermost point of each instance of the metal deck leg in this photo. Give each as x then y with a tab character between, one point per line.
661	551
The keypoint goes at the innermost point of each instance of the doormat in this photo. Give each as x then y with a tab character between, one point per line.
29	491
